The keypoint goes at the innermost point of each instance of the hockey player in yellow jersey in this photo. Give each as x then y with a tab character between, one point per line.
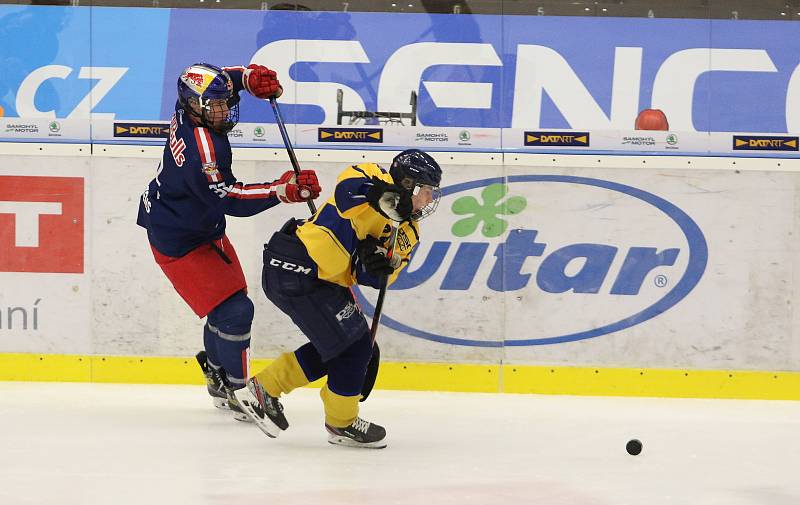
309	267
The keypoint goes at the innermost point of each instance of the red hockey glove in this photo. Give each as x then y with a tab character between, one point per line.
292	189
262	82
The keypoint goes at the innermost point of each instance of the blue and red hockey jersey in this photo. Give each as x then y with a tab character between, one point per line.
194	188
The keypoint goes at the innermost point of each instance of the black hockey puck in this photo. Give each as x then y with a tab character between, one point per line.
634	447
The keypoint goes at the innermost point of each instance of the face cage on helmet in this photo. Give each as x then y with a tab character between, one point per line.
230	120
429	209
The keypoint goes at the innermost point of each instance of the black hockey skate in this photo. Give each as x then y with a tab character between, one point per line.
264	410
218	389
359	434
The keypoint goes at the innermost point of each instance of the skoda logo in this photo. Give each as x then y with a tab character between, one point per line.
464	136
258	131
54	126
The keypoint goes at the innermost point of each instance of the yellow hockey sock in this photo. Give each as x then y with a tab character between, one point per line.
340	411
282	376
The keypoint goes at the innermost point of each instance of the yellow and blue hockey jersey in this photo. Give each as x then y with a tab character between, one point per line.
332	235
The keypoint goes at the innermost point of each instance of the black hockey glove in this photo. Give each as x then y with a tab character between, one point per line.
390	200
373	257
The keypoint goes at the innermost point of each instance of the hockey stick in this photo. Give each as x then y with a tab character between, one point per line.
375	360
376	317
289	149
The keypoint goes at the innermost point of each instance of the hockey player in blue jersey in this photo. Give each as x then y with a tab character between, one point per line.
184	209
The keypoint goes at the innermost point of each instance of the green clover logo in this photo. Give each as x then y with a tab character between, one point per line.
487	212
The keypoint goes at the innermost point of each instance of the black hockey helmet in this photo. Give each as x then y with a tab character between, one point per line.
411	170
208	86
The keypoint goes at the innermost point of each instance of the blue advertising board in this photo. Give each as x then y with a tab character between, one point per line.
477	71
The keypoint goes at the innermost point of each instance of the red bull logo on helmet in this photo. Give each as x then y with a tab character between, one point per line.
198	79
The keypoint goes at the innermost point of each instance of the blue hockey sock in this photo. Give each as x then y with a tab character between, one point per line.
310	361
229	327
346	371
210	344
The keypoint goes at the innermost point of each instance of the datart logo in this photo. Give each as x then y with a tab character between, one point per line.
557	139
41	224
355	135
764	143
546	259
147	130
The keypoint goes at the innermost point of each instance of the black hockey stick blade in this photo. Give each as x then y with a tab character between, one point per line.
372	372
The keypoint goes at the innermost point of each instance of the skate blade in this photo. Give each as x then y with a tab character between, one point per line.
241	417
221	403
347	442
264	424
269	428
